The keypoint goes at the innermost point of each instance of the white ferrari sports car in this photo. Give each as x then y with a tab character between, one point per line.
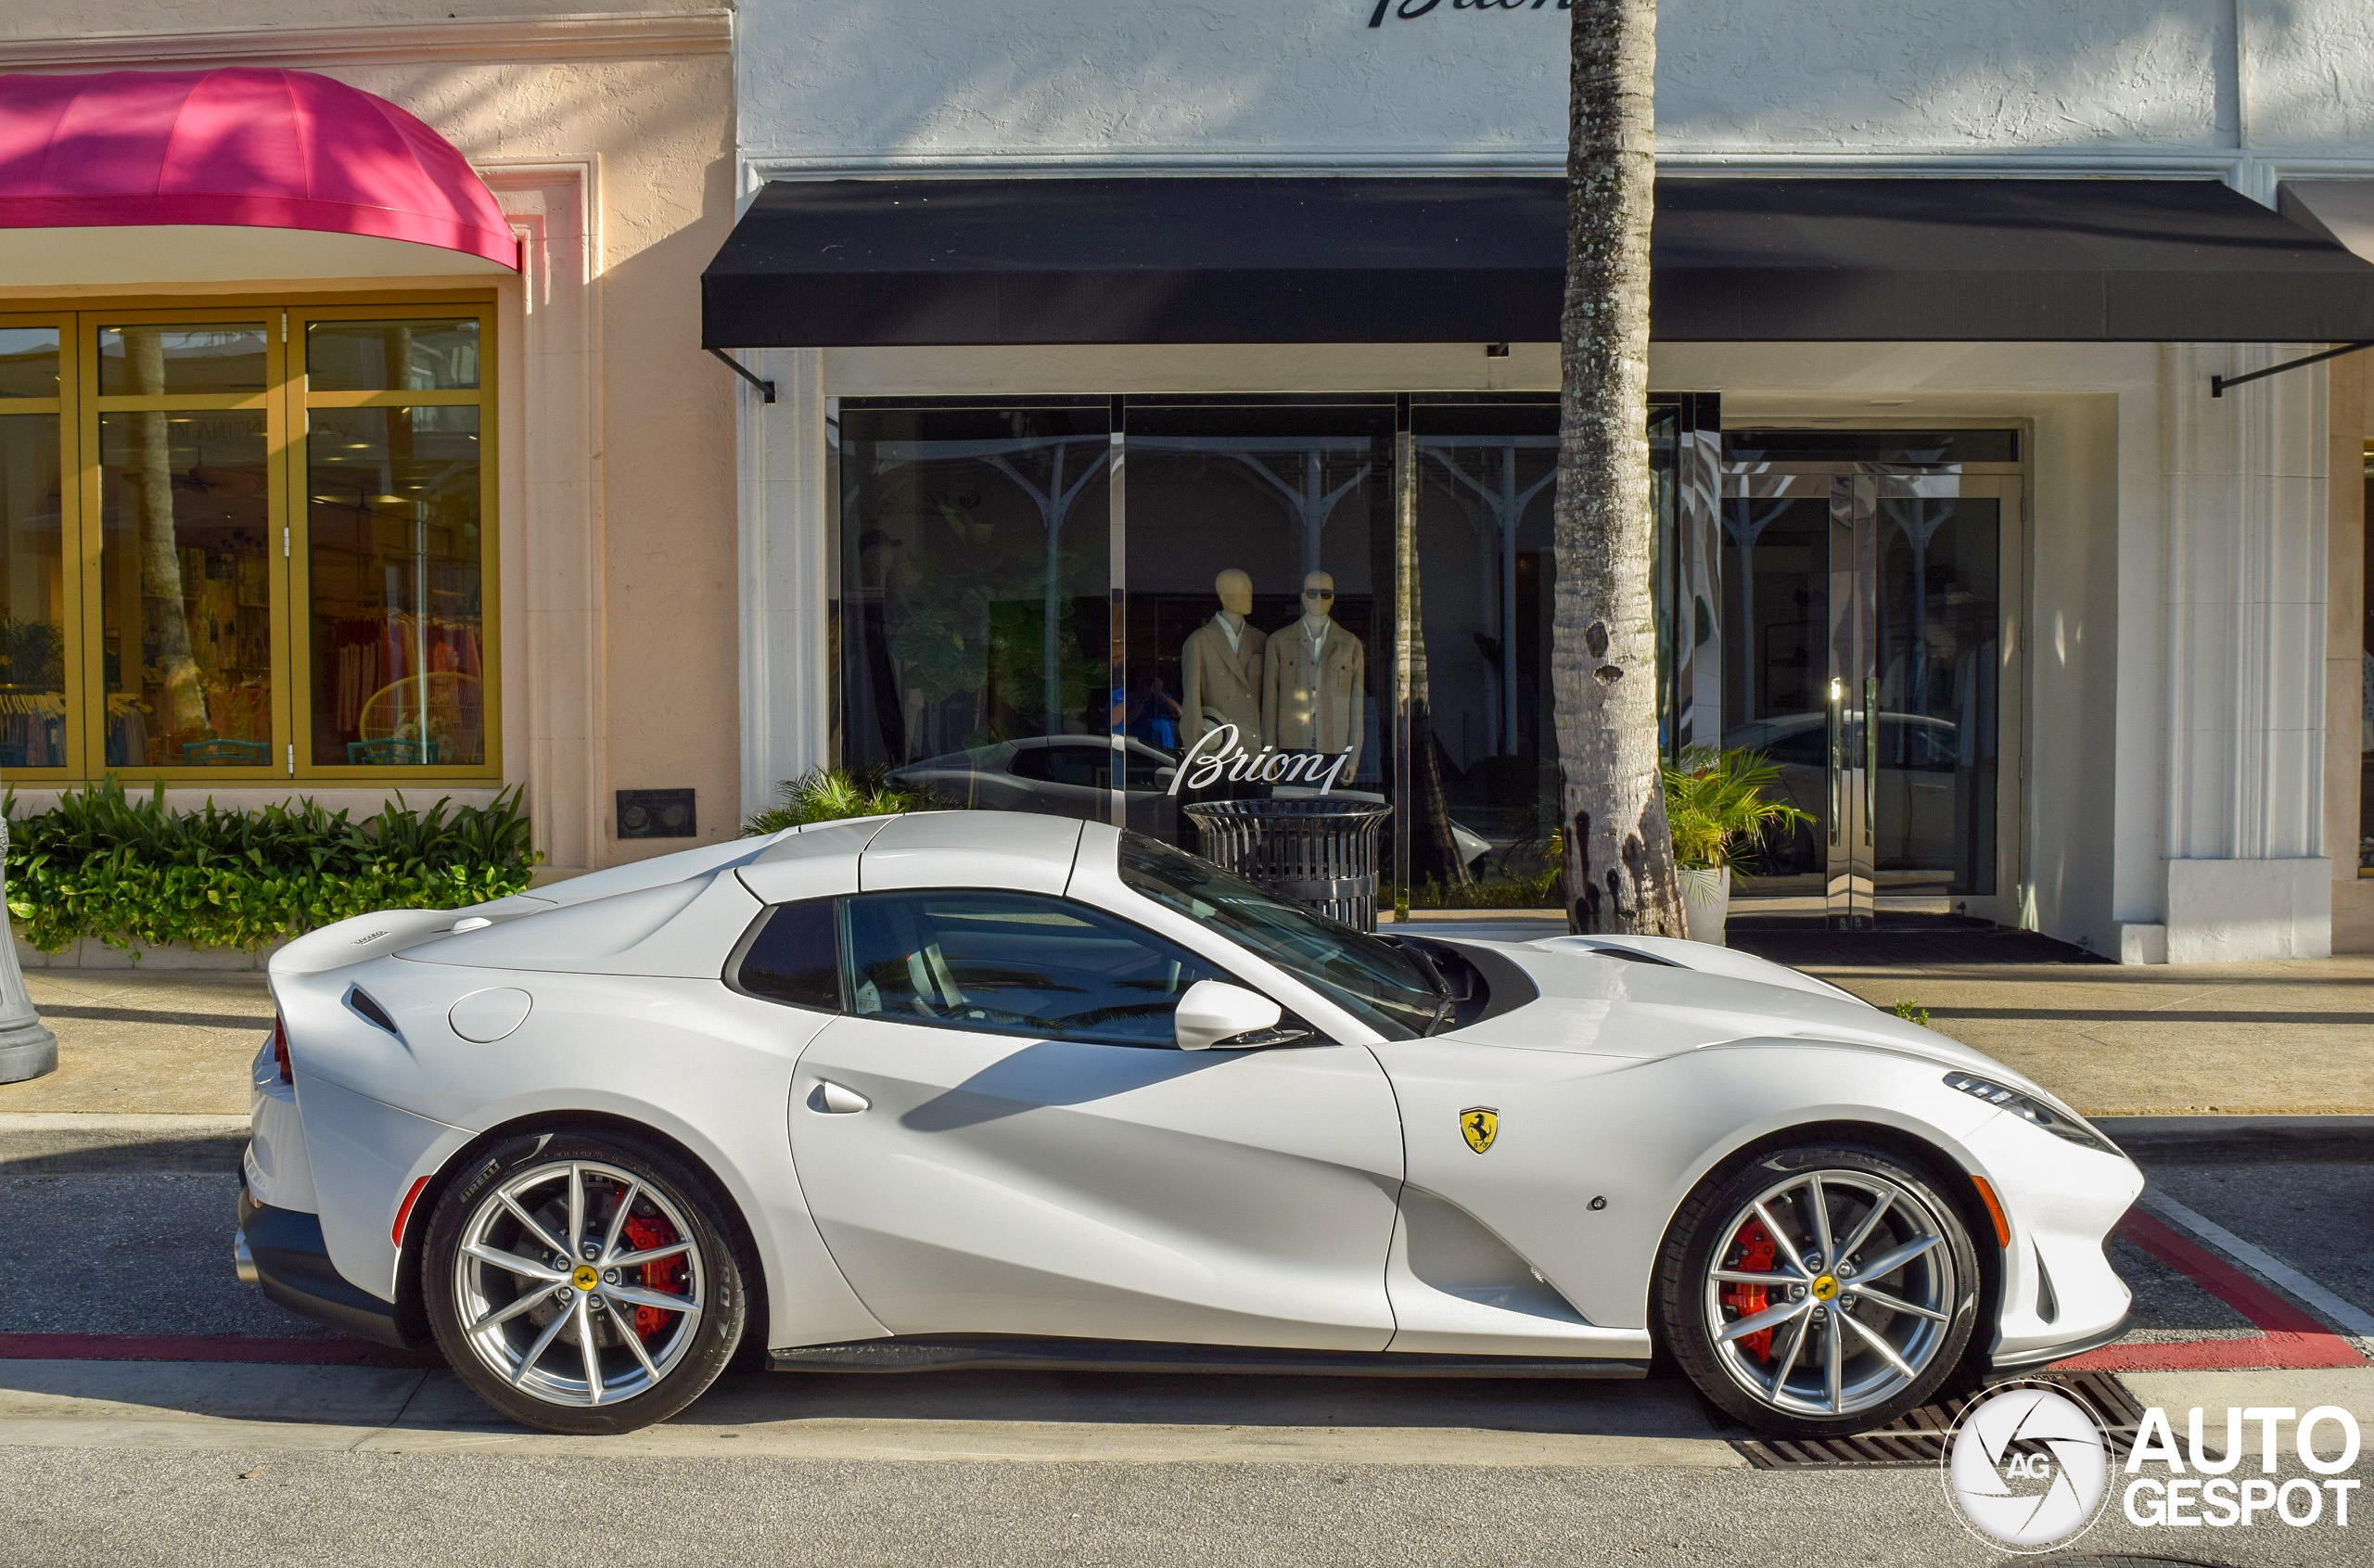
969	1089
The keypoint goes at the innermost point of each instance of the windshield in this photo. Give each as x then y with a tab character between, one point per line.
1375	982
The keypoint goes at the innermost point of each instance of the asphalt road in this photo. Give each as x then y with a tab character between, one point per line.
137	1461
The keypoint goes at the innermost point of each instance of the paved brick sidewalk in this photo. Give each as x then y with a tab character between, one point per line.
2284	1039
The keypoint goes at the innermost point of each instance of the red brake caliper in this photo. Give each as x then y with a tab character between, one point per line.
668	1274
1751	1251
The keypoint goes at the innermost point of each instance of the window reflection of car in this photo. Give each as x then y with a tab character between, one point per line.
1919	758
1063	775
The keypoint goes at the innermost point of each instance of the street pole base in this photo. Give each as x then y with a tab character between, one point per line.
27	1051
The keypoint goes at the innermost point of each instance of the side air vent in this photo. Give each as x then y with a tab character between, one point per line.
368	1007
2048	1303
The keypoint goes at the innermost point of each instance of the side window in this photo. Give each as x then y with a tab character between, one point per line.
1015	964
793	957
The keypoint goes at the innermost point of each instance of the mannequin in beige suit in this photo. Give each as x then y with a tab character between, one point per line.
1221	666
1316	674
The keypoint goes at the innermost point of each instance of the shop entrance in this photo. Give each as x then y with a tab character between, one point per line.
1866	585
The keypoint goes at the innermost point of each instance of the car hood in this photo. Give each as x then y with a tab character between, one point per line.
1644	998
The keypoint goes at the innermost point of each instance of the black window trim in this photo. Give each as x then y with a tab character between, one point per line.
740	954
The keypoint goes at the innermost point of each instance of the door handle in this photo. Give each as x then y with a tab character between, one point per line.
834	1100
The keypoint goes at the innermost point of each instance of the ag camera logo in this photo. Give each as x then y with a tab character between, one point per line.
2027	1467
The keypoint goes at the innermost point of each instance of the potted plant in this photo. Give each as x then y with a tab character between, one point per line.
826	794
1718	806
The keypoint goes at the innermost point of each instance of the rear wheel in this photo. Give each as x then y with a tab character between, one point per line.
1819	1291
582	1283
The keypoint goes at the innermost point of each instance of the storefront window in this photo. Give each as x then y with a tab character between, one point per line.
33	610
975	560
994	647
395	580
245	542
1259	592
1485	774
161	361
186	611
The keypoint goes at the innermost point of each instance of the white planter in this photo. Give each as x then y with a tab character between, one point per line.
1706	903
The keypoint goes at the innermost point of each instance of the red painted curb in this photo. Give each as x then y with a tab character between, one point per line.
2288	1338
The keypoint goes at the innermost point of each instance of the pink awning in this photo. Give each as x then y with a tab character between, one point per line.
229	159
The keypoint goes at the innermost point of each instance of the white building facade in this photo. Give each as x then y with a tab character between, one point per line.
1065	309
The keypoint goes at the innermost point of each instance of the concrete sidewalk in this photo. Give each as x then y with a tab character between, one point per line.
2294	1038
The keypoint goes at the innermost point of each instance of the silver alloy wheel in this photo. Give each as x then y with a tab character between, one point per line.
548	1278
1831	1292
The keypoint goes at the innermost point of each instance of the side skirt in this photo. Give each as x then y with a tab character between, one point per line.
1028	1354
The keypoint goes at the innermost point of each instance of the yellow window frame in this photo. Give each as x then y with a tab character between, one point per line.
286	402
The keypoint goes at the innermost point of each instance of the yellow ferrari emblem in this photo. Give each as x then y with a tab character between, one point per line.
1825	1287
586	1277
1480	1125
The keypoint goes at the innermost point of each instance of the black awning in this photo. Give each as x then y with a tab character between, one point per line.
1454	259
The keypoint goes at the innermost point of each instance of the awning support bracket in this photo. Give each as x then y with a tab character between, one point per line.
766	388
2217	384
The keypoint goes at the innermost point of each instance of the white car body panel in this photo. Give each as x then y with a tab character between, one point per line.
1318	1196
1050	1187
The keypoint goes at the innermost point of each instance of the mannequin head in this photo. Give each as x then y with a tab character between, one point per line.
1319	595
1235	589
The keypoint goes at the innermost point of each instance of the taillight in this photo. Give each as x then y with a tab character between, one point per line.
280	1050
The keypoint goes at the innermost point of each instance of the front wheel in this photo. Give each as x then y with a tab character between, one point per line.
1818	1291
582	1283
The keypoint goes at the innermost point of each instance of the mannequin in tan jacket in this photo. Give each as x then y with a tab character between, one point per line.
1220	668
1316	674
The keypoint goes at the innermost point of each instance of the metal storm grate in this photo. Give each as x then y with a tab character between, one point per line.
1918	1437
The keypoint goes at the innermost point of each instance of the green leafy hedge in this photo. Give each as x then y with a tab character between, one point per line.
136	875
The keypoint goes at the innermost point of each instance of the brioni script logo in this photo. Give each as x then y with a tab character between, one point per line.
1218	755
1411	10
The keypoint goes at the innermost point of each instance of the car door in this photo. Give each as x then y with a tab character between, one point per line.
997	1135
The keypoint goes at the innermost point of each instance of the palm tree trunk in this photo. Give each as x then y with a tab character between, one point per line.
1619	854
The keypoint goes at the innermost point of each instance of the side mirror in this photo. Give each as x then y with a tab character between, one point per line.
1214	1014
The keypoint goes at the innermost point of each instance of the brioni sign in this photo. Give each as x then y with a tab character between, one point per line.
1411	10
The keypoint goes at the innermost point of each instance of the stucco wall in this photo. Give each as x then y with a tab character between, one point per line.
1214	79
630	451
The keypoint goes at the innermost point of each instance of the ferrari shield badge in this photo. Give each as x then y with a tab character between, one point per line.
1481	1124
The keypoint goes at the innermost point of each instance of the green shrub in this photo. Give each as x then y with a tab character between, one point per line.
136	875
828	795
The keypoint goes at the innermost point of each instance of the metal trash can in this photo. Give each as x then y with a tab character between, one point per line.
1316	852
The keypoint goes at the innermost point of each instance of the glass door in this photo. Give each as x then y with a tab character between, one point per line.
1865	645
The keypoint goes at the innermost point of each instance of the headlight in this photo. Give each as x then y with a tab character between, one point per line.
2060	1123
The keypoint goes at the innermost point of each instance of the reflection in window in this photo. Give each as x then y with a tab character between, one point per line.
28	362
32	607
974	583
186	604
148	361
2366	697
1939	605
1485	785
1776	628
393	356
395	573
